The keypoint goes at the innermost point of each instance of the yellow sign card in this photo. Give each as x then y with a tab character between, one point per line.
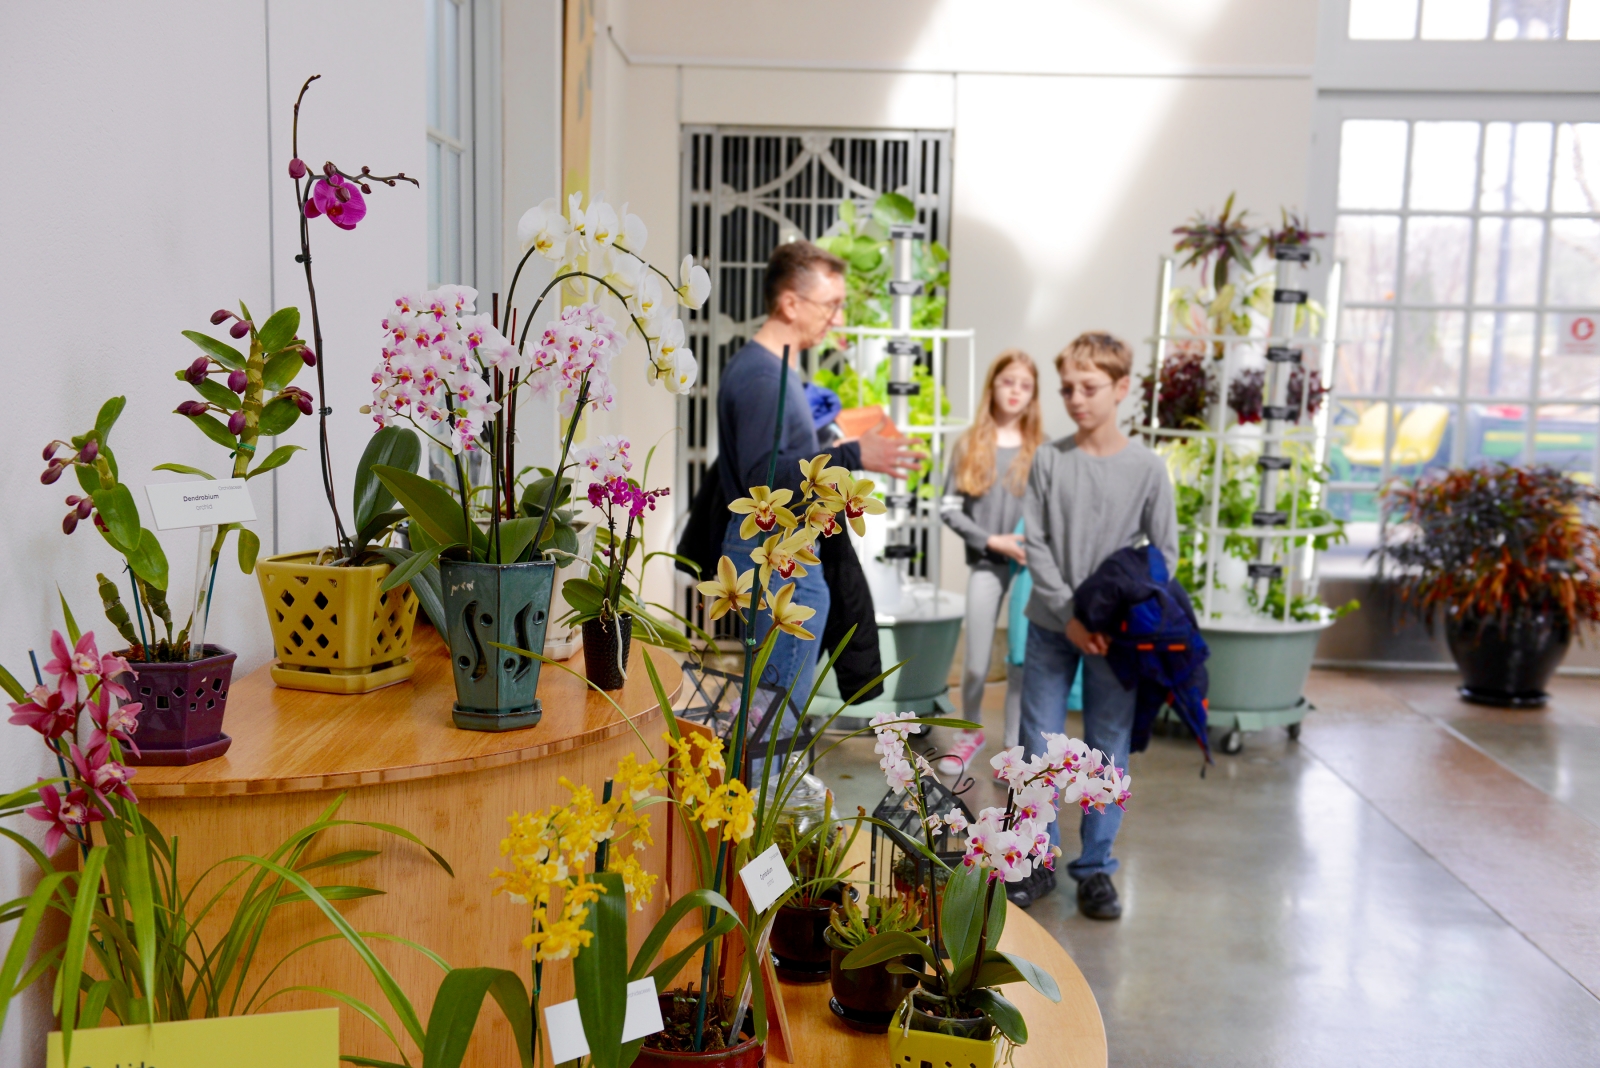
307	1039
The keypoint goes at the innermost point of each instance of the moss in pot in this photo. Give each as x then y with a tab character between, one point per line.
866	998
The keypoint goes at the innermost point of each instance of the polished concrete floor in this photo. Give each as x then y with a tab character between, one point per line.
1416	881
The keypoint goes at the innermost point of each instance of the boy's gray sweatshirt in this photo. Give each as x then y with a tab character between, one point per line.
1080	509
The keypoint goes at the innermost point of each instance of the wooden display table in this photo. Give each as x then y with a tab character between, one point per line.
1068	1034
402	762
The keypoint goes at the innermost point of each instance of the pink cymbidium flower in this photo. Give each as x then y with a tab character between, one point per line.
339	200
70	664
65	815
46	711
119	723
104	775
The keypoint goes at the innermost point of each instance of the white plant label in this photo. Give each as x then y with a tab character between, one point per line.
565	1027
207	503
564	1022
644	1010
766	878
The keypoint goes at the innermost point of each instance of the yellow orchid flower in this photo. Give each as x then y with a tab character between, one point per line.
729	590
785	556
823	517
859	501
763	510
816	475
787	616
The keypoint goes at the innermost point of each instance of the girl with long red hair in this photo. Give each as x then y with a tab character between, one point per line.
984	488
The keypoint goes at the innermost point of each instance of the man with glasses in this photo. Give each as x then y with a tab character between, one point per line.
805	291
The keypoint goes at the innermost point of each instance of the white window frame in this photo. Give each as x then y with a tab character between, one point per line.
1556	66
472	223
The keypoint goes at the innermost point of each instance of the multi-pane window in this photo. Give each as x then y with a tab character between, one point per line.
449	186
1474	20
1471	294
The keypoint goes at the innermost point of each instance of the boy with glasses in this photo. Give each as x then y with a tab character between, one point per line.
1089	494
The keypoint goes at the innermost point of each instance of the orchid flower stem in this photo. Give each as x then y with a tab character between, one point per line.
561	466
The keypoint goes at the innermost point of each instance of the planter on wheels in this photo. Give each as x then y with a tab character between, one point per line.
182	704
747	1053
333	629
1507	665
606	643
1258	671
913	1040
866	998
488	603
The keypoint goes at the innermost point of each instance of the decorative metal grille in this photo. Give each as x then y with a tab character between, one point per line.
745	190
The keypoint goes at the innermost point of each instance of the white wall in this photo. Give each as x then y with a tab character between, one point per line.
138	196
1083	132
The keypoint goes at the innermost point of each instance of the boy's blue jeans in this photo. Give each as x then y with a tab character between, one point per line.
793	660
1047	672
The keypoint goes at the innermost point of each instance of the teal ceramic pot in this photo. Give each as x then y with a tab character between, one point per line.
504	603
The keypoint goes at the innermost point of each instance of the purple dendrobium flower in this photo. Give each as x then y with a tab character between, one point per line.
339	200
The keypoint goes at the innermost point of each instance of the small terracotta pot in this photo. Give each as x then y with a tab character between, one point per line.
797	938
183	704
602	664
747	1054
866	998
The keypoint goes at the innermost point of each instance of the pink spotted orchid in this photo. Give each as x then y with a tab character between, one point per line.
68	816
1012	841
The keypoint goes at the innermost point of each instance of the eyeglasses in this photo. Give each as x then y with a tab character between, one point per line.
832	306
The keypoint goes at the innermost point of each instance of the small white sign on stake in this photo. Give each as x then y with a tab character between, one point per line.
766	878
206	503
565	1023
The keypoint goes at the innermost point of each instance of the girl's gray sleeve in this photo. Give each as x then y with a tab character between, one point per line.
952	509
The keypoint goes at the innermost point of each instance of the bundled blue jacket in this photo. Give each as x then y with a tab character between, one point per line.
1155	641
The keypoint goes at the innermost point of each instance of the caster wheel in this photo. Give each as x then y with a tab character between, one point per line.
1294	732
1233	742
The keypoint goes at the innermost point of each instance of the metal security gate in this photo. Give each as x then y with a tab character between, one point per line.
745	190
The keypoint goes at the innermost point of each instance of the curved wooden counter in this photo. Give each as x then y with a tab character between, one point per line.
401	761
1068	1034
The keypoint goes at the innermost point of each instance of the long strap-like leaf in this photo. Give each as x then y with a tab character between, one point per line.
455	1014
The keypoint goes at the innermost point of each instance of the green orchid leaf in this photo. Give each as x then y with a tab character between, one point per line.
121	514
107	417
278	415
184	469
890	945
1002	1013
431	506
375	526
281	369
455	1014
212	427
407	571
220	351
148	559
249	549
392	446
600	973
277	458
515	535
279	329
218	394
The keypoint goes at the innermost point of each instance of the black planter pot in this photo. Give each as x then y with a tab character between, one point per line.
1508	666
180	721
866	998
800	954
602	660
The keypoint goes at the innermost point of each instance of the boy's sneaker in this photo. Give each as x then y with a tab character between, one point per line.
965	746
1097	898
1031	888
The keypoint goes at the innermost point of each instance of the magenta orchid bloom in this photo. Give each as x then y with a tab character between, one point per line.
339	200
46	712
119	723
105	775
65	815
83	659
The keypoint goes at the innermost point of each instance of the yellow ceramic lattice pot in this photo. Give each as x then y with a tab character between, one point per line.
912	1049
332	628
